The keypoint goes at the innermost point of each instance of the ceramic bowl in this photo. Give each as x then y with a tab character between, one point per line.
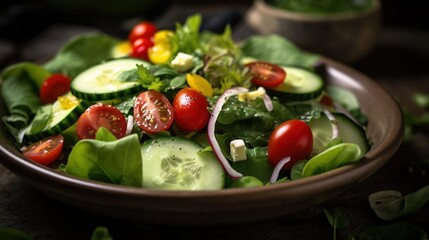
228	206
346	37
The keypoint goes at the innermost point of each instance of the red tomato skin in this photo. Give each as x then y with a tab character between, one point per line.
54	86
140	48
45	151
153	112
266	74
101	115
142	30
291	138
190	110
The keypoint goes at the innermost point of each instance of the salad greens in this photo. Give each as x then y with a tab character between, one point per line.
251	116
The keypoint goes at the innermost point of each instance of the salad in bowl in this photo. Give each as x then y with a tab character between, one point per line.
183	127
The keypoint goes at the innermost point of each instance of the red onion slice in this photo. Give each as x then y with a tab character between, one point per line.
211	130
268	103
278	168
334	123
130	124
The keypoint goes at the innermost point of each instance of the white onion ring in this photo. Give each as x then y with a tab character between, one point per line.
268	103
334	123
130	124
211	130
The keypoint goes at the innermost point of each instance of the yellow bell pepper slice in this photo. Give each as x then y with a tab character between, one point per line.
199	83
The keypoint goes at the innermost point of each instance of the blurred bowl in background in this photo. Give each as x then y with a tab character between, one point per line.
346	37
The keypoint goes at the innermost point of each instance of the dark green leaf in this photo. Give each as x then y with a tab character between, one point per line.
389	204
178	82
395	231
256	165
246	181
296	171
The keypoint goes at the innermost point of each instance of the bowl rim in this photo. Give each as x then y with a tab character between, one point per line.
272	11
17	163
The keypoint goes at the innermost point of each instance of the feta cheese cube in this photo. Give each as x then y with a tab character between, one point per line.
182	62
238	150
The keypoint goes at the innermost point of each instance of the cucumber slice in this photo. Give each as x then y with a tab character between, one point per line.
349	132
60	120
101	82
177	163
299	85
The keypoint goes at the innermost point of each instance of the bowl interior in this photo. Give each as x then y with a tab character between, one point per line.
385	130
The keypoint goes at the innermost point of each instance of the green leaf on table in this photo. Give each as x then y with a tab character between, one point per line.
101	233
337	219
389	204
395	231
118	162
81	53
421	99
13	234
266	48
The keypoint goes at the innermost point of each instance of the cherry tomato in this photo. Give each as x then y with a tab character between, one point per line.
266	74
153	112
53	87
142	30
291	138
101	115
190	110
45	151
140	48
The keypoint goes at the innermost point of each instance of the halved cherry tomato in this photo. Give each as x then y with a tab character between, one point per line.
190	110
142	30
53	87
153	112
266	74
45	151
292	138
101	115
140	48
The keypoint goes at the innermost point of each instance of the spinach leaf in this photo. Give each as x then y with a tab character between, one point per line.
101	233
82	52
13	234
266	48
118	162
103	134
394	231
246	181
20	91
347	100
256	165
332	158
41	119
337	219
389	204
296	170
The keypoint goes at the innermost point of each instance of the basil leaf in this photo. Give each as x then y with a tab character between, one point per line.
389	204
118	162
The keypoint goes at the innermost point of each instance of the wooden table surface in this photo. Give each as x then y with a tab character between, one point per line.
400	63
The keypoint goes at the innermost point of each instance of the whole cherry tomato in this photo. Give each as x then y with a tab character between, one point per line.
54	86
143	29
190	110
292	138
140	48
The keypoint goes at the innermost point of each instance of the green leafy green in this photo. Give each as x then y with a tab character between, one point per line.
256	164
101	233
82	52
332	158
116	162
13	234
103	134
41	119
266	48
296	170
337	219
246	181
187	36
20	91
348	100
389	204
394	231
